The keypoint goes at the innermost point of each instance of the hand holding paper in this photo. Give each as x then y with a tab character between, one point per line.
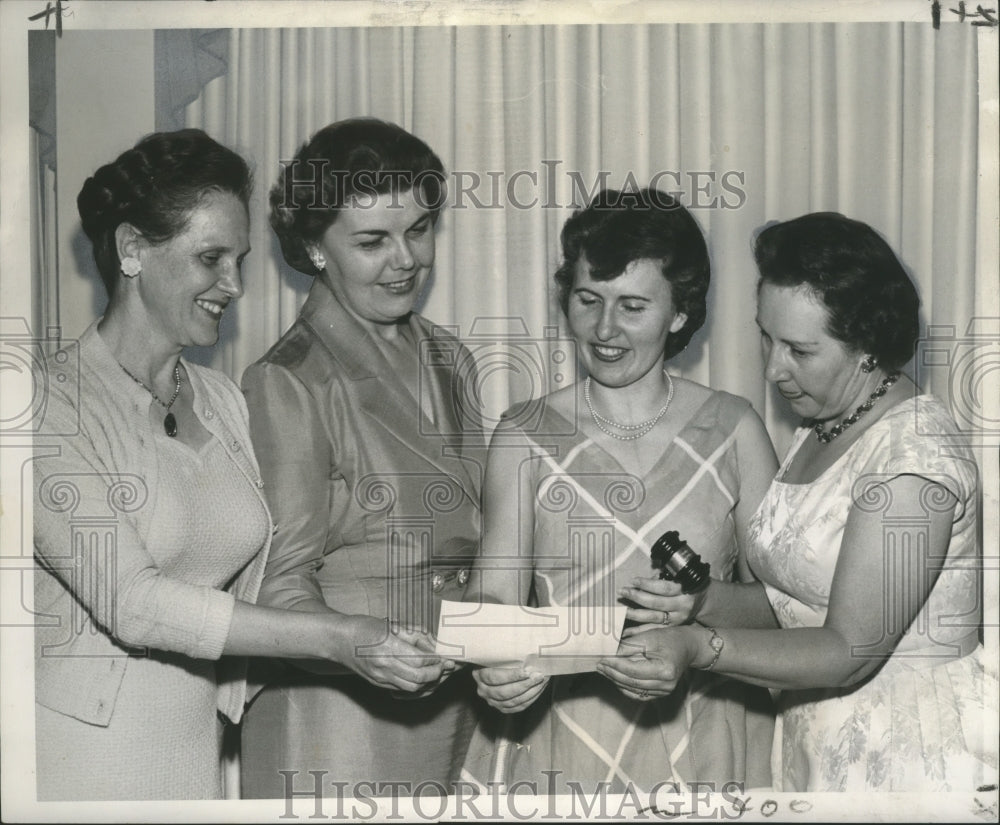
550	640
507	689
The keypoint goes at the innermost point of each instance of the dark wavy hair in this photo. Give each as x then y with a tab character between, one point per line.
360	157
619	227
871	303
154	187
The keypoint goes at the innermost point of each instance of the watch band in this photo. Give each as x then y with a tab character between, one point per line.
716	643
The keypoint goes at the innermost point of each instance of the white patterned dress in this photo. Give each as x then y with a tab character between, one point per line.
922	722
594	525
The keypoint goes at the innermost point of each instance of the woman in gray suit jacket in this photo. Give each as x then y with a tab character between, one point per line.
368	451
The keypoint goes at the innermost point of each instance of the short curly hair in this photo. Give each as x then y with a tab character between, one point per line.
619	227
871	303
358	157
155	186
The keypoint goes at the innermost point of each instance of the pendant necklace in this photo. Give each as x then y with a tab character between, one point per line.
169	421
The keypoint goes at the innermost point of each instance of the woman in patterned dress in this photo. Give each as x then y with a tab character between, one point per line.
602	469
866	543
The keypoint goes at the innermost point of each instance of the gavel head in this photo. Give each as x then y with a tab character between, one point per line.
675	560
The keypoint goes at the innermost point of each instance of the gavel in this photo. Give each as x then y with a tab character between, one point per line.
676	561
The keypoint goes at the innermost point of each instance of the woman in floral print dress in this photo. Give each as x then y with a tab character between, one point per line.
866	543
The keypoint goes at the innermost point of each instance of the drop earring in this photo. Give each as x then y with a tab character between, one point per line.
869	364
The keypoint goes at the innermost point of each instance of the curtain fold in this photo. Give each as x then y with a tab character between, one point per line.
748	123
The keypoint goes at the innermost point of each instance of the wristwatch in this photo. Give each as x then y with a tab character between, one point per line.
716	643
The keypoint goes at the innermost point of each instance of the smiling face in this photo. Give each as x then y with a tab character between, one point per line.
187	282
621	325
819	376
379	253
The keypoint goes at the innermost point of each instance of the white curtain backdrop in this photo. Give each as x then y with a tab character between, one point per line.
752	123
749	123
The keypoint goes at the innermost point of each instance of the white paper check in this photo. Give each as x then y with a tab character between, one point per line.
552	640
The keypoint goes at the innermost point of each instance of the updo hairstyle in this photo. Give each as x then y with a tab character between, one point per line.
154	187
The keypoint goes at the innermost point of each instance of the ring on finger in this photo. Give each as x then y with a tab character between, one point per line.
666	618
643	694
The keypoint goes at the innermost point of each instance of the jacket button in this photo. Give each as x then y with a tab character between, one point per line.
236	446
463	577
209	413
260	484
437	582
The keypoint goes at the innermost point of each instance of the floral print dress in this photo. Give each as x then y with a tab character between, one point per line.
927	719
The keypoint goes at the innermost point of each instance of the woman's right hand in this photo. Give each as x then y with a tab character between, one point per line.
509	690
658	602
391	657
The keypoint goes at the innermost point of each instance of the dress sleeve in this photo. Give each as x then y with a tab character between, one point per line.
295	457
116	581
922	441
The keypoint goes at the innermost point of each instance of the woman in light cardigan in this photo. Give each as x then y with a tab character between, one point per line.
150	527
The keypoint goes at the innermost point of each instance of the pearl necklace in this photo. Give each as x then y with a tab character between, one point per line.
826	437
634	431
169	421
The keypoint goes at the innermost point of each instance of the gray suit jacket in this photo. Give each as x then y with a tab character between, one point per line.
376	504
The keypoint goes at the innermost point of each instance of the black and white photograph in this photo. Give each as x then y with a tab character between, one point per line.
499	411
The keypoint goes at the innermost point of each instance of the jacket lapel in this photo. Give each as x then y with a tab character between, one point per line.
380	395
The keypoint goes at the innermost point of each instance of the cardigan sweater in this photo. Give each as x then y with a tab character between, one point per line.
95	470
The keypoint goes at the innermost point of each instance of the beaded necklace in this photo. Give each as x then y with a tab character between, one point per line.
826	437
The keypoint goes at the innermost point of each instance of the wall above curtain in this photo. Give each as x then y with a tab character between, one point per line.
184	61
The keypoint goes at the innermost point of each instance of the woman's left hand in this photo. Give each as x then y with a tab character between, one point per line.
660	603
649	664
